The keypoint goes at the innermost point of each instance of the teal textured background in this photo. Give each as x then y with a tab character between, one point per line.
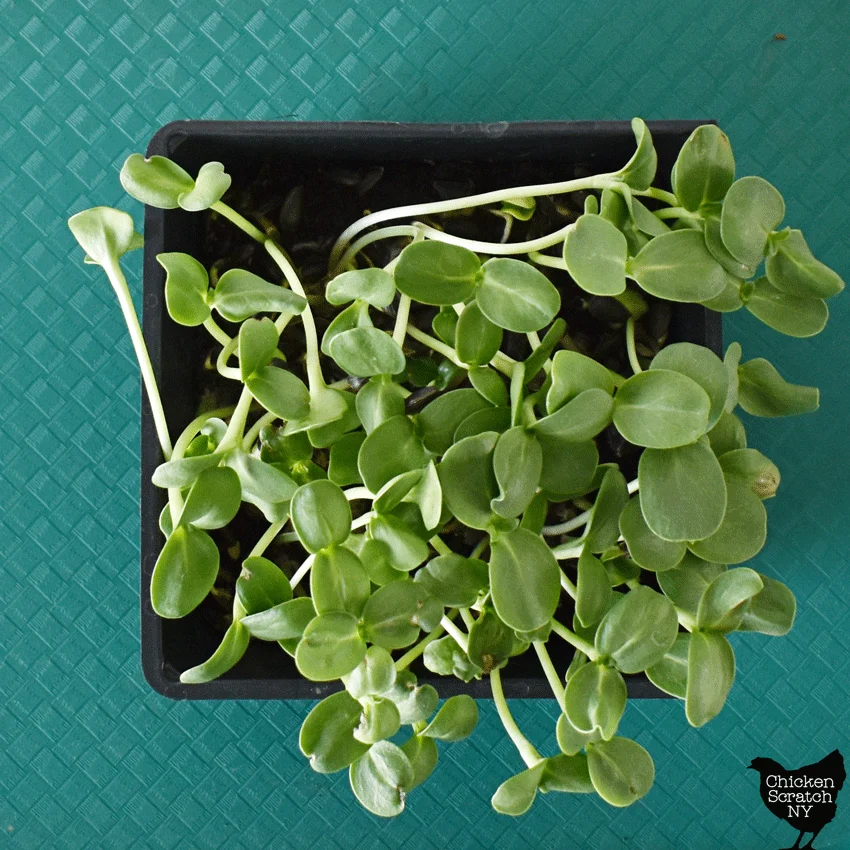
90	757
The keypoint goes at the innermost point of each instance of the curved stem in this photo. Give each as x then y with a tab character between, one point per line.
551	673
572	638
547	260
658	195
194	427
440	547
368	239
216	332
302	571
125	300
600	181
236	428
580	520
240	221
358	493
568	550
676	212
265	541
567	584
412	654
460	638
526	750
630	346
251	436
498	248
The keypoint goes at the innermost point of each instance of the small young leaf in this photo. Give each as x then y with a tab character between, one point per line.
595	253
373	676
524	580
406	550
210	185
392	448
454	580
263	484
330	647
638	630
379	720
536	360
240	294
685	585
423	755
490	641
704	169
415	703
594	590
378	400
157	181
321	515
702	366
327	734
752	209
570	740
261	585
580	419
104	233
445	658
427	495
621	770
184	573
603	530
186	286
683	492
647	549
731	361
439	419
213	500
454	721
516	795
342	467
677	266
661	409
444	325
433	272
516	296
786	313
792	269
468	481
670	674
771	611
374	286
258	340
477	339
742	533
714	243
721	606
517	463
489	385
280	392
572	374
727	435
394	613
285	621
365	352
639	172
568	774
753	469
762	391
595	700
354	316
231	649
338	581
711	671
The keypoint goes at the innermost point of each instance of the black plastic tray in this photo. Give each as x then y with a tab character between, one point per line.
170	646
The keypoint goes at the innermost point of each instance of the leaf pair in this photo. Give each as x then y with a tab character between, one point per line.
511	294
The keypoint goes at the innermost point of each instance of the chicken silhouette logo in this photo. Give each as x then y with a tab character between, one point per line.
805	797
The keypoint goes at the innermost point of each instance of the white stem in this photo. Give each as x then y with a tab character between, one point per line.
498	248
400	329
302	571
578	521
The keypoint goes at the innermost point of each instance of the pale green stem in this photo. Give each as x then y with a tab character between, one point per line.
439	546
676	212
517	379
358	493
468	619
526	750
266	540
572	638
460	638
434	344
551	673
497	248
368	239
362	520
236	428
658	194
125	300
580	520
482	544
289	537
630	346
547	260
302	571
194	427
533	339
224	355
216	332
568	550
400	329
412	654
251	436
600	181
240	221
571	589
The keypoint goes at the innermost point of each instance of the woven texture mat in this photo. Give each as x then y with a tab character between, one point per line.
90	757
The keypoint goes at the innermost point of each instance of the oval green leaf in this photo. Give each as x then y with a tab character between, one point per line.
327	734
704	169
711	671
792	269
184	573
595	700
595	253
321	515
374	286
621	770
752	210
477	339
240	294
330	647
186	285
437	273
516	296
365	352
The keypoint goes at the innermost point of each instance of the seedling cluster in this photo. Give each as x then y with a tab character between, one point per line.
446	497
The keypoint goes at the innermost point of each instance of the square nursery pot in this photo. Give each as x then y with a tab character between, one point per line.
493	156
